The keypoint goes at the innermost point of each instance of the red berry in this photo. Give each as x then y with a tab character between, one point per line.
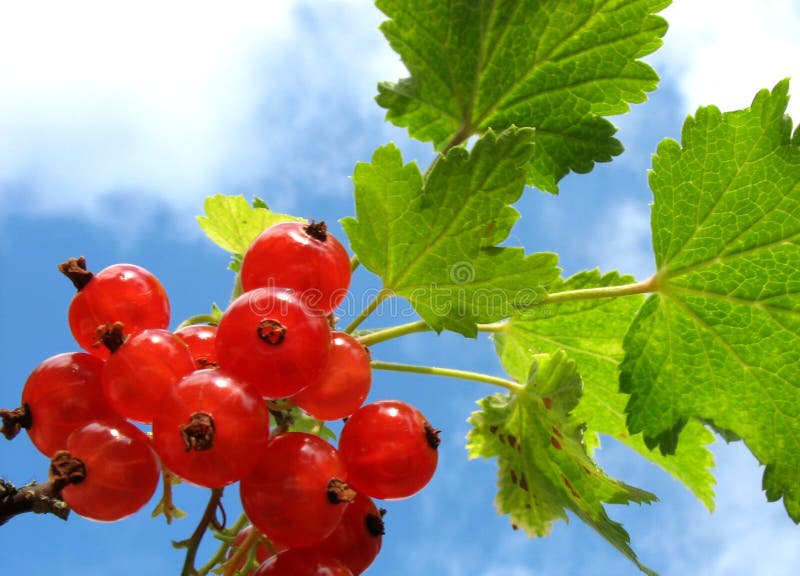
142	370
269	339
302	257
301	562
296	494
122	471
389	449
343	384
120	293
64	393
356	541
200	339
211	429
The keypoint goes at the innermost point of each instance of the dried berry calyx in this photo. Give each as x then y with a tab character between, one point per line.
198	434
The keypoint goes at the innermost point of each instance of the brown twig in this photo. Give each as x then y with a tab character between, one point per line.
44	498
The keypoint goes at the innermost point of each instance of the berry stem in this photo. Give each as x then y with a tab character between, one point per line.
383	334
247	549
368	338
448	373
222	551
354	263
193	542
382	295
166	506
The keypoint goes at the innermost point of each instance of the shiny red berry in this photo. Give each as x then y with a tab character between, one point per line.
302	562
343	384
305	258
211	429
296	495
120	293
269	339
63	393
144	368
122	471
200	339
389	448
357	539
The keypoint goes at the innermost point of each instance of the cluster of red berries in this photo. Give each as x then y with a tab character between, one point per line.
208	392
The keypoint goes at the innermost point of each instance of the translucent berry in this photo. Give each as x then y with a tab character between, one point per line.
389	449
211	429
120	293
122	471
305	258
144	368
296	495
269	339
63	393
343	384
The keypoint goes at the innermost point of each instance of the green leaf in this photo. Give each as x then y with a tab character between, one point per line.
591	331
556	66
544	467
434	241
719	339
232	223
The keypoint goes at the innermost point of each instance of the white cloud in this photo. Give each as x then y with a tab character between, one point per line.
170	99
724	51
745	535
621	240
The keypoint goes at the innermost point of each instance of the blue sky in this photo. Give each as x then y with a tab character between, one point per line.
116	122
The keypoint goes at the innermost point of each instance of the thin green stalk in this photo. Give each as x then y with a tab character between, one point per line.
643	287
221	553
354	263
382	295
383	334
448	373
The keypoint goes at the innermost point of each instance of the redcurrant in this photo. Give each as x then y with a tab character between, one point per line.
120	293
211	429
343	384
301	562
200	339
268	338
302	257
122	471
389	449
61	394
356	541
142	370
296	494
